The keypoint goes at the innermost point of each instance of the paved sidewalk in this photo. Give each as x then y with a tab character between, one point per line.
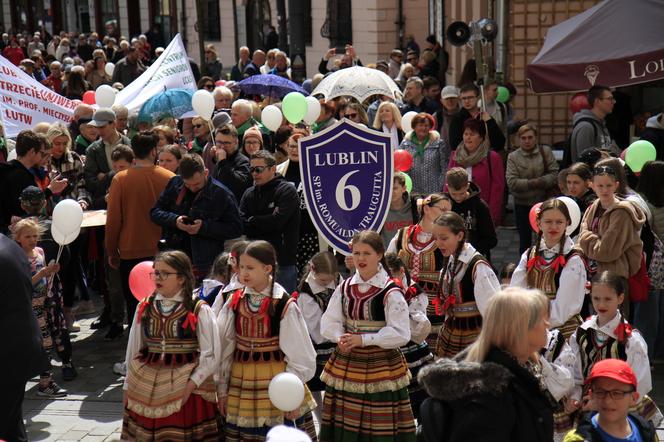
93	409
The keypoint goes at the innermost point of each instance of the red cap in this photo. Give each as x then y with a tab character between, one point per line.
615	369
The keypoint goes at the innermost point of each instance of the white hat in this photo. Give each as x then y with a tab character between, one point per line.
449	92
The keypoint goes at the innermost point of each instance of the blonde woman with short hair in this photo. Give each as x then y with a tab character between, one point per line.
388	120
494	390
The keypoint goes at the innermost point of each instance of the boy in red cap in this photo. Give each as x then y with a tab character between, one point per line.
612	393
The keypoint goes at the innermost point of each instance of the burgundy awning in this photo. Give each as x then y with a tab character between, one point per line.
614	43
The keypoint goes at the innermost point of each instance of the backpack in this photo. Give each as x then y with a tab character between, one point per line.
567	147
653	248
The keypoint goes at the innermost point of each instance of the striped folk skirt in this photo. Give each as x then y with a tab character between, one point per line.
366	398
417	356
323	352
155	411
458	332
250	414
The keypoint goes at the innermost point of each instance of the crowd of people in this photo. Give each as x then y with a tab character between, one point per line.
416	324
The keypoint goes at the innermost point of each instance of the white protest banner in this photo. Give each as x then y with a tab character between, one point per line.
24	101
170	70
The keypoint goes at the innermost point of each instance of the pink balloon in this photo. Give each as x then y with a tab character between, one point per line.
532	216
140	281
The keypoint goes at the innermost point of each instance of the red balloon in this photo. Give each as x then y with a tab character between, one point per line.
140	280
532	216
403	160
579	102
89	97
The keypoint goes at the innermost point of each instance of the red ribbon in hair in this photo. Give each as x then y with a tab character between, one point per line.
398	282
441	309
295	295
557	263
410	293
141	308
237	295
623	331
190	322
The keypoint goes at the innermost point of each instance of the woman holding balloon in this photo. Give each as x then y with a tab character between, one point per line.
428	155
554	266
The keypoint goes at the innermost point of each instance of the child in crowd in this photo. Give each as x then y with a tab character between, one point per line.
262	333
367	377
314	293
506	273
467	281
47	306
220	275
416	352
613	388
169	392
554	266
233	270
608	335
417	249
578	181
467	202
403	210
122	158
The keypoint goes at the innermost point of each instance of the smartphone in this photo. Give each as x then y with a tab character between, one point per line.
340	50
187	220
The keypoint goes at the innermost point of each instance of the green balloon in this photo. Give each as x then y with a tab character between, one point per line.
294	107
409	182
639	153
503	94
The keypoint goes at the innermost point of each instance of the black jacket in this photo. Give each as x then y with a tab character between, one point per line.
496	136
14	177
271	212
215	205
22	344
233	172
497	400
477	218
585	432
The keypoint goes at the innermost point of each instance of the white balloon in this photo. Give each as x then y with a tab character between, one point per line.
271	117
313	110
406	120
286	391
67	217
63	239
105	96
109	69
574	213
203	104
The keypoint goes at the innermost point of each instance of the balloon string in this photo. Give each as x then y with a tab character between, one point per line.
59	253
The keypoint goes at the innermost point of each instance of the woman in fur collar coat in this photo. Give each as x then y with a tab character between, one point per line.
494	390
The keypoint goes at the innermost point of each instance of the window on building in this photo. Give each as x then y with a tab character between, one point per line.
338	26
307	21
212	23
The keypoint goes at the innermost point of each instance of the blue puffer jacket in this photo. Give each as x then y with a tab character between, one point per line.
215	205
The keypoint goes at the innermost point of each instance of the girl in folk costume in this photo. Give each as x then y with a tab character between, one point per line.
608	335
220	275
262	334
314	294
233	271
169	391
555	267
467	281
366	398
416	247
416	352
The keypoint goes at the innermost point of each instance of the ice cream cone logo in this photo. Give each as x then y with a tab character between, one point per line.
591	73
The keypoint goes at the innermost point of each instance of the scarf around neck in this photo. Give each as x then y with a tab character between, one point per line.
468	159
420	146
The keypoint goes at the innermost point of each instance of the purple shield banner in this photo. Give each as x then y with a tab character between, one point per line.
347	173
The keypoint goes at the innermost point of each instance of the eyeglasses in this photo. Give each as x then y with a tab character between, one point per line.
223	143
157	275
469	97
611	98
604	170
252	142
351	116
616	395
257	169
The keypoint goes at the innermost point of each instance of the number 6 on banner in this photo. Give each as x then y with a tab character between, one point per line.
342	187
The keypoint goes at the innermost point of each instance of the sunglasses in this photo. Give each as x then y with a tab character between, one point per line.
257	169
197	126
351	116
604	170
209	86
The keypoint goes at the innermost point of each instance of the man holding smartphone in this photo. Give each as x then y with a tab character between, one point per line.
348	59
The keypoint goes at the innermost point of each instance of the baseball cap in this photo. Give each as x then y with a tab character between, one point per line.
449	92
615	369
102	117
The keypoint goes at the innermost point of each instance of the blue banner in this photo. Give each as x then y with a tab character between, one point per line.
347	173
